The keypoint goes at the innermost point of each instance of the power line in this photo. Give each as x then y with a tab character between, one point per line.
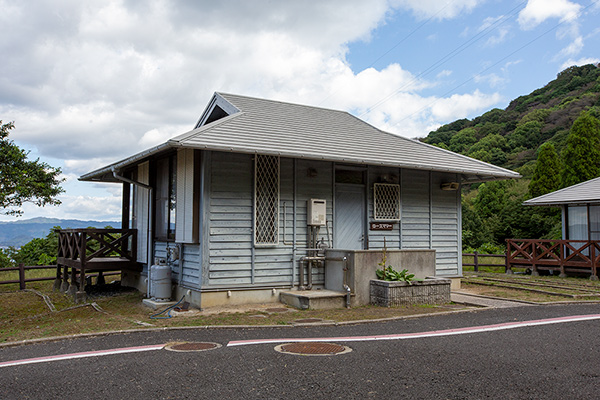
456	51
398	43
493	65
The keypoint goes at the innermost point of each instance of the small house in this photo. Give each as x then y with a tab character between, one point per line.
580	205
246	204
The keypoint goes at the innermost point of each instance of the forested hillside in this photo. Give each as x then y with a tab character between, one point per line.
551	136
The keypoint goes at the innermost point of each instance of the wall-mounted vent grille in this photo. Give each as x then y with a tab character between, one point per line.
386	201
266	200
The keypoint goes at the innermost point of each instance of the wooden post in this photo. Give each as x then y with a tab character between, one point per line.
594	276
21	276
534	271
507	267
82	258
475	261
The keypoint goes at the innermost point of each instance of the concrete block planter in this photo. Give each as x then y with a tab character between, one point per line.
429	291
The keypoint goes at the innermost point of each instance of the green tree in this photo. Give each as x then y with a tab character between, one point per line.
39	251
581	156
527	135
23	180
463	140
546	177
6	259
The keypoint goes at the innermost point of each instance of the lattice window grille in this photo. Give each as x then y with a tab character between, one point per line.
386	201
266	200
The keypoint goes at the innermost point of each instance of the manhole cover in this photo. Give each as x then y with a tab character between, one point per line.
192	346
308	320
313	349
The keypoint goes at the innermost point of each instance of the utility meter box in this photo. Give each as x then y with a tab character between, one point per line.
316	212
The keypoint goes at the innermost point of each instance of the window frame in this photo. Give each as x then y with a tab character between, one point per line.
393	190
262	196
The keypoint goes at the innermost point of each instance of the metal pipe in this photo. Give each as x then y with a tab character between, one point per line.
294	248
345	285
150	253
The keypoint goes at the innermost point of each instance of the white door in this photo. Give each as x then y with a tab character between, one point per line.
349	219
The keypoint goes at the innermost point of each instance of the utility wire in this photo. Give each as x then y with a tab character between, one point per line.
493	65
456	51
398	43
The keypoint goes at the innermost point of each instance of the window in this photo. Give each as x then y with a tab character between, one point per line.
386	202
166	197
266	200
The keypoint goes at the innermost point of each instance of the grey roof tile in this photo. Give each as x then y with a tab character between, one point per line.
299	131
584	192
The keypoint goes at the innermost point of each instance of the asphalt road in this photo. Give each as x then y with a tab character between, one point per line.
556	361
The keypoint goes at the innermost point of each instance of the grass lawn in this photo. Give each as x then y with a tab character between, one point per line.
24	314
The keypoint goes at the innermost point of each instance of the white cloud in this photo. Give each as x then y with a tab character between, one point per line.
495	25
439	9
580	62
96	208
573	48
464	104
538	11
91	83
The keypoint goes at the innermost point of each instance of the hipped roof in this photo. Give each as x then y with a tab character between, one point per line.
259	126
582	193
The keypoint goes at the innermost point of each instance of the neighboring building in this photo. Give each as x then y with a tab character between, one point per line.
580	205
233	196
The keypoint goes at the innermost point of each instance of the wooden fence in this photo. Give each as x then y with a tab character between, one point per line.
22	281
477	260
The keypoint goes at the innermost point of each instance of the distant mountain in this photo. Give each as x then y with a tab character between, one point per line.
17	233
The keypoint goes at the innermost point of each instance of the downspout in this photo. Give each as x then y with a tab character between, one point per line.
149	256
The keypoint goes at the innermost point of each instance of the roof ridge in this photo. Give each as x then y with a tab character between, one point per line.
183	136
282	102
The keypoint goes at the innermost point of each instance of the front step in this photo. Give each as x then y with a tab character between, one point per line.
313	299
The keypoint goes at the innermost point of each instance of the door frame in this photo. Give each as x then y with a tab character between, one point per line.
365	205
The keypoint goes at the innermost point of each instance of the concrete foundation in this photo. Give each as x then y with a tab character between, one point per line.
240	297
361	266
314	299
155	305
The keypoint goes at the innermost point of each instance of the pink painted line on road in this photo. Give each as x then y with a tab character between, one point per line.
417	335
84	354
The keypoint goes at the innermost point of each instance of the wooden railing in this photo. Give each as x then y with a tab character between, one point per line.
93	250
80	246
564	256
22	279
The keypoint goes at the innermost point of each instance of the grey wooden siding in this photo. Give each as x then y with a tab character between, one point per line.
188	264
230	221
429	219
233	259
192	270
316	185
414	192
445	225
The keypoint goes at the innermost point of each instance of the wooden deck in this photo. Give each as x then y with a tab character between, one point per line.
93	250
563	256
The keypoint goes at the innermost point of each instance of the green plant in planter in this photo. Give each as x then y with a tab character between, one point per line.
387	273
390	274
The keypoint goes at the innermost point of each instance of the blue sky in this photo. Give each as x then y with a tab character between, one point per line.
89	83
